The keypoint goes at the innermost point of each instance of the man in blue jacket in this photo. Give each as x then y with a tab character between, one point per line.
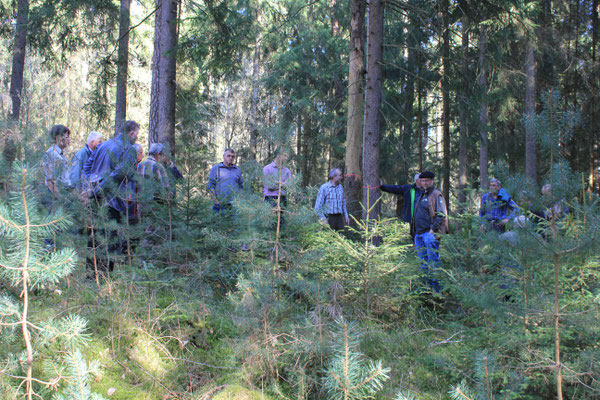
81	157
224	181
430	219
410	193
107	174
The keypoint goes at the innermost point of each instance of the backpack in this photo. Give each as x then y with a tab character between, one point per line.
432	198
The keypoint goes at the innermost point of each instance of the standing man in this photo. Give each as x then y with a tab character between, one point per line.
495	206
224	181
331	203
154	186
81	157
54	163
139	153
156	180
271	175
430	219
108	173
410	193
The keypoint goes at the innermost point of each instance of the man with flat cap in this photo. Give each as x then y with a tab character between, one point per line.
430	219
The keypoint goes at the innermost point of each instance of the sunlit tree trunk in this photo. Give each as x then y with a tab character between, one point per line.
18	68
254	99
446	102
373	98
163	89
354	125
122	66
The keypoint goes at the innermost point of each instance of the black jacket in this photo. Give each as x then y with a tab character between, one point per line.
404	191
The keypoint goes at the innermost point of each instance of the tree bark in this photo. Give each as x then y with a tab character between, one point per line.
464	116
164	63
483	111
254	99
373	98
354	125
18	62
592	133
122	67
446	103
530	136
16	78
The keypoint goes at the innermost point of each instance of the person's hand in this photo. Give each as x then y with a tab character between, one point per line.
347	220
482	228
323	221
431	231
503	222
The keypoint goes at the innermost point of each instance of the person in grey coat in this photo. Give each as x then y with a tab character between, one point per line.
224	181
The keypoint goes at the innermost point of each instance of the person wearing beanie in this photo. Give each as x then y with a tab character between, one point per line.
430	219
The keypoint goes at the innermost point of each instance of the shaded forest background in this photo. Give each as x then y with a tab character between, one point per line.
380	89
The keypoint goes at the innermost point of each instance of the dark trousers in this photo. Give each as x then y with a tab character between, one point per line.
272	200
115	244
336	222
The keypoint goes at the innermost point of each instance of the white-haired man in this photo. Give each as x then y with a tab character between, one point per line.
81	157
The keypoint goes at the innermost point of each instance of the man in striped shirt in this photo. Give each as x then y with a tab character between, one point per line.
331	203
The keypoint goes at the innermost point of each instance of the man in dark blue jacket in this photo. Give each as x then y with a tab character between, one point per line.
107	176
111	166
410	193
430	219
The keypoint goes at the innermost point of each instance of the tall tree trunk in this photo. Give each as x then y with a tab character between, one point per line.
18	62
420	123
530	136
354	125
483	111
446	102
592	134
464	116
16	78
373	97
306	145
254	99
336	158
164	63
122	66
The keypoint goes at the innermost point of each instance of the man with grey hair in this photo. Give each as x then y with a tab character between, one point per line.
331	203
224	181
152	167
81	157
497	208
139	153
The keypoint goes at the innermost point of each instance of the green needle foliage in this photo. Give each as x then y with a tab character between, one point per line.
28	261
350	375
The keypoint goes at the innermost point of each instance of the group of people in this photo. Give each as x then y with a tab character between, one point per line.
111	173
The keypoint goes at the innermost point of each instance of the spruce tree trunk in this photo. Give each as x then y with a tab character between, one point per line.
254	99
446	103
18	62
354	125
16	77
373	98
483	111
594	84
122	66
464	116
163	89
530	139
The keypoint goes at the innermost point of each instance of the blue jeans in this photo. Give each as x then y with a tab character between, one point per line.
428	252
